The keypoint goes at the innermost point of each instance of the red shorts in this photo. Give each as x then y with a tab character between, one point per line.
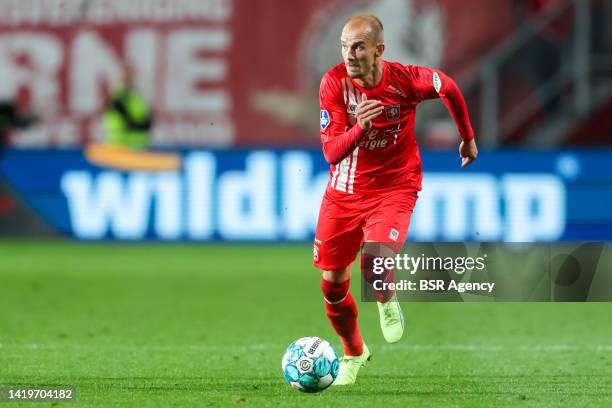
346	221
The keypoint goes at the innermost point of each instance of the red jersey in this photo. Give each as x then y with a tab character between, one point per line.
387	156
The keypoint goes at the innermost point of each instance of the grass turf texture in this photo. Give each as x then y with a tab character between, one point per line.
157	325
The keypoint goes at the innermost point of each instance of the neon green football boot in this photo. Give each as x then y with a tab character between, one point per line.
391	320
350	365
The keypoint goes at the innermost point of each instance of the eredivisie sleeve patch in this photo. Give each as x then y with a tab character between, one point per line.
437	82
324	119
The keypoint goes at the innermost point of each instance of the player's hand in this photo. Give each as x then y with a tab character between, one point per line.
367	110
468	152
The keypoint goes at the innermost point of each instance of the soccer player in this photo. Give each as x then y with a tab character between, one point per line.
367	131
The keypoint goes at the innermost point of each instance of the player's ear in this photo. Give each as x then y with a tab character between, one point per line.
380	49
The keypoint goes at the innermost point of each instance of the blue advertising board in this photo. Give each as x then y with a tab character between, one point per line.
274	195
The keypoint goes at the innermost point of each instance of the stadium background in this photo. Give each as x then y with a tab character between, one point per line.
233	86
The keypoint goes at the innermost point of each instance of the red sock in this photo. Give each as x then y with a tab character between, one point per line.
342	313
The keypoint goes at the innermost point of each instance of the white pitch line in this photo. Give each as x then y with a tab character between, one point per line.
479	347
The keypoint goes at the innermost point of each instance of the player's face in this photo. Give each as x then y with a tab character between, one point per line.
359	51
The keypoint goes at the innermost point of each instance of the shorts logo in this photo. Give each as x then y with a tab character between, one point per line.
393	235
315	253
324	119
392	112
437	82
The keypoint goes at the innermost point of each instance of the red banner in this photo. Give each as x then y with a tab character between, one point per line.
216	72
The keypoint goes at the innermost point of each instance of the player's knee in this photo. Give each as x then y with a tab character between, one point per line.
338	298
338	275
335	292
377	260
368	266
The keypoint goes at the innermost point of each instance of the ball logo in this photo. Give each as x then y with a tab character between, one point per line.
305	365
324	119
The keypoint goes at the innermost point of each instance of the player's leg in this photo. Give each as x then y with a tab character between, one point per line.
389	309
341	309
385	231
334	256
342	312
337	242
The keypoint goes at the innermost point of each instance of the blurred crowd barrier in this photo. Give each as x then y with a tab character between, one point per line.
217	73
224	73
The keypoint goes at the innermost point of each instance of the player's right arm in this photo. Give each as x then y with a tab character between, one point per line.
337	141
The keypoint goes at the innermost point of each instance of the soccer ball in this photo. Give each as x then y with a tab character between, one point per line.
310	364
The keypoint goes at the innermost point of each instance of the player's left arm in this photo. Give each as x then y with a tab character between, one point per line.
431	84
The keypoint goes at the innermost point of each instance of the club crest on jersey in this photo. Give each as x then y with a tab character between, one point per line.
324	119
392	112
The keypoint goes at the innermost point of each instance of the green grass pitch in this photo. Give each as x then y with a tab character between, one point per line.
203	325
